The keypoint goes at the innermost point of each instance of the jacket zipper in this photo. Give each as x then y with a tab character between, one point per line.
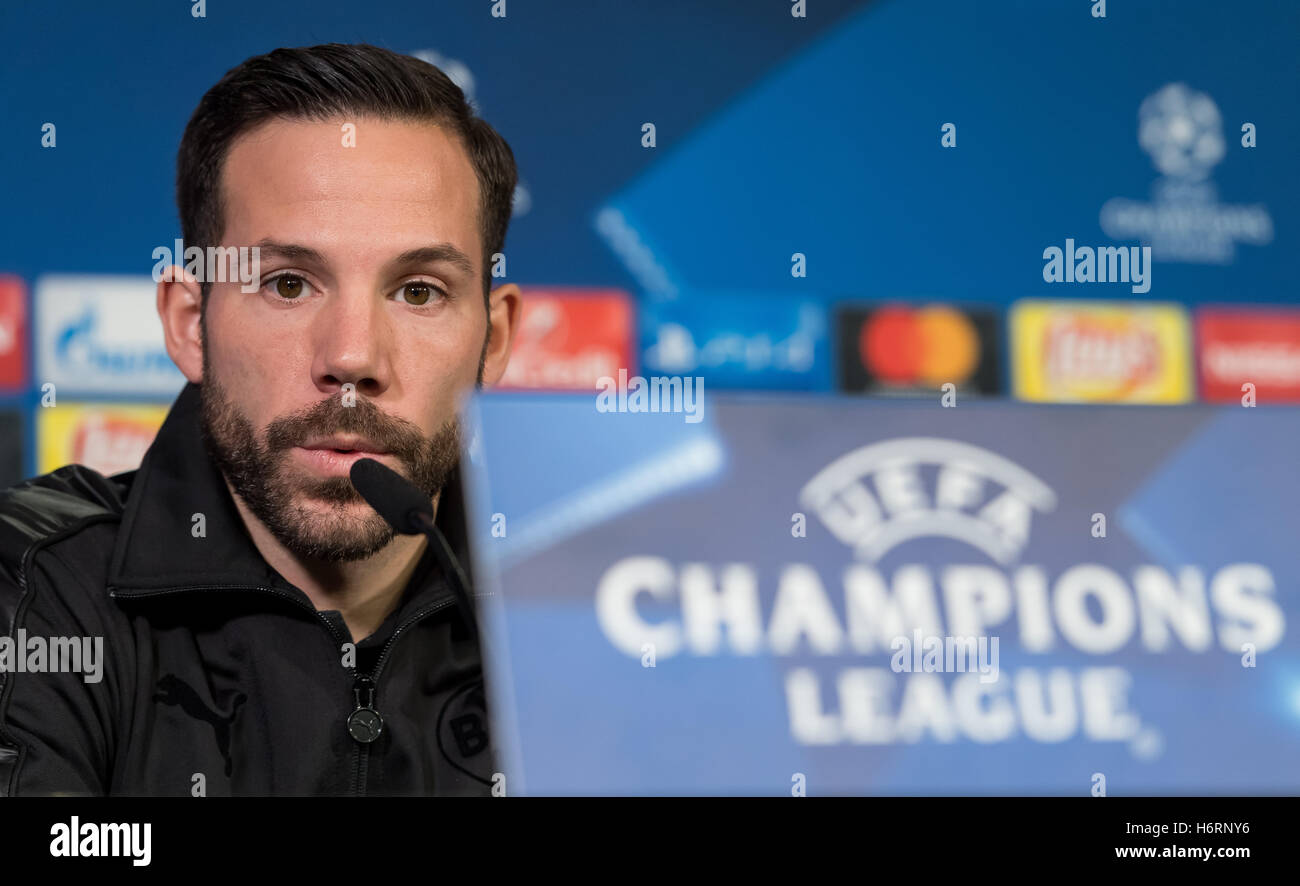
362	750
371	684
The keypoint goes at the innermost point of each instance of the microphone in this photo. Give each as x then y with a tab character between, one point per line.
409	512
402	506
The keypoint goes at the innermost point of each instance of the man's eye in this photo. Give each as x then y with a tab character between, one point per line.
289	287
418	293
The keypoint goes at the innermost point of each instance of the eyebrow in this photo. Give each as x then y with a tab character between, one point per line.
438	252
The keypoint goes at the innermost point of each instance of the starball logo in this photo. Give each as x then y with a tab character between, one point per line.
1182	131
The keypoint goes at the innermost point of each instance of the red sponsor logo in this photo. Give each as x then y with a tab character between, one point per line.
569	338
902	345
13	332
1259	347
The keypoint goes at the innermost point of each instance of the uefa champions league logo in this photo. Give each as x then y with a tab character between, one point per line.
1182	130
881	495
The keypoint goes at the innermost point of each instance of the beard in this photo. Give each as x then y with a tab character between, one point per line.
262	476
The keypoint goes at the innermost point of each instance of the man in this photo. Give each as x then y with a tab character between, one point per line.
249	602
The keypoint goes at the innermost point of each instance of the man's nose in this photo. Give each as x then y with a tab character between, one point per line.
353	339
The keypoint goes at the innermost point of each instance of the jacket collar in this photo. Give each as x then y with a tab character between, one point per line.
181	530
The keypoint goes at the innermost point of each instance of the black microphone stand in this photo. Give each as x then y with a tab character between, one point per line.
451	568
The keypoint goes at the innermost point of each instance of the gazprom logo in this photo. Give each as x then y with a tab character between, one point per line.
101	335
81	343
877	497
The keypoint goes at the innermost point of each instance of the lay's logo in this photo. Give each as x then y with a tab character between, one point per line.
106	437
1120	356
1100	352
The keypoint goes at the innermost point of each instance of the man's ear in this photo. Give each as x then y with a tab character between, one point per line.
180	305
505	304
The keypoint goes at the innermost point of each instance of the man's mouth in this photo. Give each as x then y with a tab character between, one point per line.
345	443
335	455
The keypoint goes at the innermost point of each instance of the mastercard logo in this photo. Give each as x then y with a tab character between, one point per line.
926	346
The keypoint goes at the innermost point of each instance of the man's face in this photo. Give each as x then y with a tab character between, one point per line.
371	294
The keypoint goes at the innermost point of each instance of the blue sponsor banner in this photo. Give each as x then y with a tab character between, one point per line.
738	340
889	597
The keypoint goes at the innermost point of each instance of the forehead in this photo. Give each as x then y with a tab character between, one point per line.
391	183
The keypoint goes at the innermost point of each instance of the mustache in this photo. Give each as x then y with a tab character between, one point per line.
397	435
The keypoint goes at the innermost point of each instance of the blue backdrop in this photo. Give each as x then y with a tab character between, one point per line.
774	134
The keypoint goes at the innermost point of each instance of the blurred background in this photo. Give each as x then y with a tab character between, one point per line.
855	202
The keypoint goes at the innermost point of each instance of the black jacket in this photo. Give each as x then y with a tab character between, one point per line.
216	675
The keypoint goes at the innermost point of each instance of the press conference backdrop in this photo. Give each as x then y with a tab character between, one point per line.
873	223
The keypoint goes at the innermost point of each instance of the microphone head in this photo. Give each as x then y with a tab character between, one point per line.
392	496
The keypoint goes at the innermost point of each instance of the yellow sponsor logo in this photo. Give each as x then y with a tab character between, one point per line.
107	437
1100	352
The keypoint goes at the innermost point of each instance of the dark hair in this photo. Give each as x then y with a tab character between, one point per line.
319	83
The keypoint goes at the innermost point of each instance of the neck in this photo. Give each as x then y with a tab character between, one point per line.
363	591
